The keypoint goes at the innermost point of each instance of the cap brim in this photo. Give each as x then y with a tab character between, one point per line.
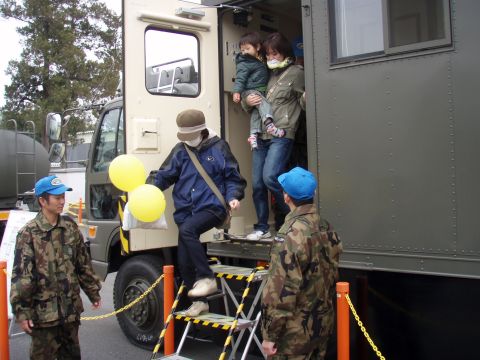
188	136
59	190
281	179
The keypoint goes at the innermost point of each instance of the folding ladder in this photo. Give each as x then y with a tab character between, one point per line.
237	323
31	174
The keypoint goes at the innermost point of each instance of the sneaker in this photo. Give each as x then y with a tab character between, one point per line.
259	235
196	308
273	130
252	140
203	287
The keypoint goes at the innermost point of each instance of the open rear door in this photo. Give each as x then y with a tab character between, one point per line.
170	64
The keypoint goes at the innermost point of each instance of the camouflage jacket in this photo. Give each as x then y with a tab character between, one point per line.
297	301
51	264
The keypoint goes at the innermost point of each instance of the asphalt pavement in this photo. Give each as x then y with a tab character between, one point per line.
104	340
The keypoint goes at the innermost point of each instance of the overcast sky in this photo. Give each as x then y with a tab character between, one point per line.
11	46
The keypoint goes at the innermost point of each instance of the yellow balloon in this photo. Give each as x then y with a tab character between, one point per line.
146	203
126	172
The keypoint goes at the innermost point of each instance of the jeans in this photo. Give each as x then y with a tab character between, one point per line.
192	260
259	112
270	159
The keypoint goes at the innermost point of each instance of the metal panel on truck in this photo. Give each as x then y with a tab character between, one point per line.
168	62
395	143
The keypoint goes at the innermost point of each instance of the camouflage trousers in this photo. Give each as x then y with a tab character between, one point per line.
317	354
57	342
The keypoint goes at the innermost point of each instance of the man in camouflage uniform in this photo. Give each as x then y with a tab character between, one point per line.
51	264
297	301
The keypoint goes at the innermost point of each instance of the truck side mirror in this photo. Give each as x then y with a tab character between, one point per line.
57	152
54	126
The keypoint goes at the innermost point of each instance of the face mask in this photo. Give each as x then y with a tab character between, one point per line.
195	142
273	64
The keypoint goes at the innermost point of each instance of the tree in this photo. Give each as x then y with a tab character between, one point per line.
71	57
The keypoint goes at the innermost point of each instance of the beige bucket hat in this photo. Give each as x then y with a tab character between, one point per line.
190	124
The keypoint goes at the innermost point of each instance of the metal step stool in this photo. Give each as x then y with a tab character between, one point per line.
238	323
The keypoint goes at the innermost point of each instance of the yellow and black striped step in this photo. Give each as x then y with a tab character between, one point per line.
173	357
215	321
237	272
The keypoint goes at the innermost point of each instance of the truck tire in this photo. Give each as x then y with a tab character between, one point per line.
143	322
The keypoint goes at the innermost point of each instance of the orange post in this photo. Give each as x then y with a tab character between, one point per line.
168	296
4	351
343	322
80	205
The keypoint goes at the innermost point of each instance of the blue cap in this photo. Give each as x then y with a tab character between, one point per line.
298	183
50	185
297	46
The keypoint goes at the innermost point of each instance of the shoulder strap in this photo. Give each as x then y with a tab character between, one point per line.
206	177
272	89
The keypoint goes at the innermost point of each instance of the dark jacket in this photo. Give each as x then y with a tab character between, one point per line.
252	74
51	264
190	192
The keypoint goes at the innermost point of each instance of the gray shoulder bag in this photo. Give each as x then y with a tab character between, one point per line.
213	187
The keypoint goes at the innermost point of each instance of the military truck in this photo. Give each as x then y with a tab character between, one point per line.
391	133
23	160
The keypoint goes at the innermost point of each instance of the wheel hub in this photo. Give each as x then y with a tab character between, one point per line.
143	312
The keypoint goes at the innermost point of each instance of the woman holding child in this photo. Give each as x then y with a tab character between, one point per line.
286	95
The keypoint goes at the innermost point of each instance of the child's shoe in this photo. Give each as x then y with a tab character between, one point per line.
203	287
197	308
252	140
273	130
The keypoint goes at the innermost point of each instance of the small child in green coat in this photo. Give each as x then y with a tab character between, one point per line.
252	78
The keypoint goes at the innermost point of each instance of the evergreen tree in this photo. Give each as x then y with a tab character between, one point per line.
71	57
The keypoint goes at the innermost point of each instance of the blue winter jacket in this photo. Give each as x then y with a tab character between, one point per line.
191	193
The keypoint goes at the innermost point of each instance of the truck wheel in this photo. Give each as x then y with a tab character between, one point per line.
142	323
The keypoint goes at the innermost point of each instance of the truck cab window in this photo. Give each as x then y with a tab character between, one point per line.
171	63
376	28
110	141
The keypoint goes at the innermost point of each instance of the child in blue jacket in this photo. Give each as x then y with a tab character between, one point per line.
197	208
